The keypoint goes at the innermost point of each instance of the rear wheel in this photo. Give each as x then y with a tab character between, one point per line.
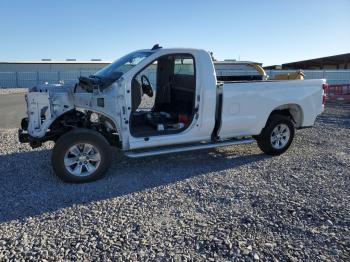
81	155
277	135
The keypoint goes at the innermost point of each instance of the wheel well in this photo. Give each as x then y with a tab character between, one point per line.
290	110
85	119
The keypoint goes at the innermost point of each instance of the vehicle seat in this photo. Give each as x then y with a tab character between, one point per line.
136	95
182	94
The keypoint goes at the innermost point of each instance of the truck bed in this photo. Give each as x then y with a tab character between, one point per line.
246	105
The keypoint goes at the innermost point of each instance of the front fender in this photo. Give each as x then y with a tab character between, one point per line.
44	108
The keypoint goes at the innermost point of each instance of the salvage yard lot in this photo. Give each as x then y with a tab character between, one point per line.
215	204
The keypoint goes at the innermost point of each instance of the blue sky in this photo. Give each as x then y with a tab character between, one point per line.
269	31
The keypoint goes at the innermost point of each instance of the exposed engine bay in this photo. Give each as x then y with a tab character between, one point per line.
55	109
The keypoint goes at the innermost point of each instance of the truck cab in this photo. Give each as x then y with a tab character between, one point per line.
165	98
158	101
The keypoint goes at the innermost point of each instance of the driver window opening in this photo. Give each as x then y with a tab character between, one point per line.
163	96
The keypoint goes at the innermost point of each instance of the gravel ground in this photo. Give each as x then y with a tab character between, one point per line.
6	91
216	205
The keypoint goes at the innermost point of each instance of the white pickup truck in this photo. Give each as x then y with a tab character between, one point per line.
159	101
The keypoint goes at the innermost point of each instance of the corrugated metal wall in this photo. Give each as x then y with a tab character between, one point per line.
30	79
31	74
54	66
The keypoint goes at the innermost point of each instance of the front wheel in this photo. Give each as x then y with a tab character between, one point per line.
81	155
277	135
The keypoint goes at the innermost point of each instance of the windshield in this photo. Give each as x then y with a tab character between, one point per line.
115	70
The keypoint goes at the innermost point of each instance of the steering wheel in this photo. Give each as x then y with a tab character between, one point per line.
146	86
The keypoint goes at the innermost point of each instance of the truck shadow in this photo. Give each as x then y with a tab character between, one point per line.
29	188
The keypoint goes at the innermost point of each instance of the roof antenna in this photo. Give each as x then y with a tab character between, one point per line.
156	46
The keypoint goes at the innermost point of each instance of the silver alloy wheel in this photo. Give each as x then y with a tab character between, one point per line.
82	159
280	136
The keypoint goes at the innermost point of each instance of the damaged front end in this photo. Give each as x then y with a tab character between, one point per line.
44	104
53	110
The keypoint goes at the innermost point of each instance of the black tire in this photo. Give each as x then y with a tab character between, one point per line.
264	139
81	137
